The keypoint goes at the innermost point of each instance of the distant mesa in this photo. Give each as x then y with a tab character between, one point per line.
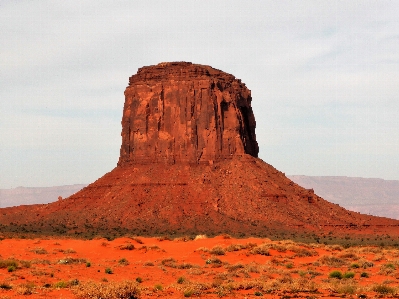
188	165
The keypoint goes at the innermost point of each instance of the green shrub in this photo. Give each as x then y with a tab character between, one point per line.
355	266
158	287
180	280
123	262
289	266
108	271
60	285
11	268
364	274
139	279
335	274
5	286
88	264
259	294
349	275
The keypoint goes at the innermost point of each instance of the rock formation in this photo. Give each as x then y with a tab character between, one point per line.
184	112
189	165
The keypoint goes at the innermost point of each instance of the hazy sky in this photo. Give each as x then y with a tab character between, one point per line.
324	77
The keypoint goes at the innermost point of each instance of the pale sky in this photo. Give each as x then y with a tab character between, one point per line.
324	77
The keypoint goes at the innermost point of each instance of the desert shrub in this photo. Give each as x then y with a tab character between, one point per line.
301	273
252	268
349	256
302	252
367	264
383	289
261	250
5	286
167	262
349	275
139	241
336	247
289	265
39	250
364	274
387	269
123	262
158	287
108	271
180	280
259	294
346	288
183	239
218	250
355	266
11	268
335	274
148	264
188	293
213	261
331	261
88	264
232	268
25	289
127	247
60	285
235	247
8	263
71	260
278	247
112	290
164	238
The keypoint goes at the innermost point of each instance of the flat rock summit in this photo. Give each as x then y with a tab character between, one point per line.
188	165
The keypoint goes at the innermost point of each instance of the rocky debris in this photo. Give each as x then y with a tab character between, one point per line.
184	112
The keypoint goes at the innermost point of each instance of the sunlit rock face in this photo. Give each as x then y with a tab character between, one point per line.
183	112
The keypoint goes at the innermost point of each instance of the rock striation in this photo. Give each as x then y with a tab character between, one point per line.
189	113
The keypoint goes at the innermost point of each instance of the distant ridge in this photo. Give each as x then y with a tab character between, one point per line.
36	195
365	195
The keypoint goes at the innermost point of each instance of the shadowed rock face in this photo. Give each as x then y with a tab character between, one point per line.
184	112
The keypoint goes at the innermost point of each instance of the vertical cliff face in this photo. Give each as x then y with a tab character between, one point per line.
184	112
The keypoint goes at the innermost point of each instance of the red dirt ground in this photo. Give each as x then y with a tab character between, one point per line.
207	267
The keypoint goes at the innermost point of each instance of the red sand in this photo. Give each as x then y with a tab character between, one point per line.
290	269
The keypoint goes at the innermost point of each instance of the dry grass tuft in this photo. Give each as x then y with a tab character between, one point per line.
112	290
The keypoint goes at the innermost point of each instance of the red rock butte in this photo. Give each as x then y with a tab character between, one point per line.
183	112
188	165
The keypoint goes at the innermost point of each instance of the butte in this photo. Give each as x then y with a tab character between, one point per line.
188	165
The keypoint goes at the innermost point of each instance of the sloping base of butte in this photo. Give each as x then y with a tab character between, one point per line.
241	196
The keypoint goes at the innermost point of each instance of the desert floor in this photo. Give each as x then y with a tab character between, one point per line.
141	267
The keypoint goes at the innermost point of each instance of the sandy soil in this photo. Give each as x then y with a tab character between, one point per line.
205	267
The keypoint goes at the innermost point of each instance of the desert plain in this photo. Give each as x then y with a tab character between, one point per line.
222	266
